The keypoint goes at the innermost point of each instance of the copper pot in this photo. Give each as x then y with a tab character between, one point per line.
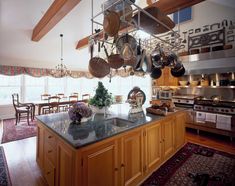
111	23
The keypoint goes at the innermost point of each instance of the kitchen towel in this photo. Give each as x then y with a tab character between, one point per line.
223	122
200	117
211	117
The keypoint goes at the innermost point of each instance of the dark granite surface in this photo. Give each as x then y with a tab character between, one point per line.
98	128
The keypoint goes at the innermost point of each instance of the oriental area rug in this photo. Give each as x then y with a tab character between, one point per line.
4	172
197	166
22	130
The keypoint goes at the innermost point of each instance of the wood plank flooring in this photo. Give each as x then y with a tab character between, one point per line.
24	171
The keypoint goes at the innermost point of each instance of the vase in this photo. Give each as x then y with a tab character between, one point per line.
82	120
97	110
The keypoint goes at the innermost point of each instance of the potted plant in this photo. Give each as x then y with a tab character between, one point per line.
101	99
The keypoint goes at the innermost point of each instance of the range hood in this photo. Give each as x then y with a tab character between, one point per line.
222	61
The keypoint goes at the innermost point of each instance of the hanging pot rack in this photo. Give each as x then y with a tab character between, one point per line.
152	40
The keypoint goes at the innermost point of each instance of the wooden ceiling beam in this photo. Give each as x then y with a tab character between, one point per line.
53	15
166	6
172	6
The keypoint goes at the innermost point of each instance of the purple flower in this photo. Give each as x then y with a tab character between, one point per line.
79	110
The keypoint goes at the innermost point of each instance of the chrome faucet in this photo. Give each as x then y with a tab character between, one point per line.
106	108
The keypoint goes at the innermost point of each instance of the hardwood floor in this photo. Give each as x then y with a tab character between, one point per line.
21	156
215	141
21	160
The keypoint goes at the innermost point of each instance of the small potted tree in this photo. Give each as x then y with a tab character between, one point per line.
101	99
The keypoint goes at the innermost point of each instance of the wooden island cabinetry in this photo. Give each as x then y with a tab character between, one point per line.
124	159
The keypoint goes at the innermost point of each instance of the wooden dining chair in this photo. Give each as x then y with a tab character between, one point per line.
85	96
22	109
74	94
61	95
45	96
53	105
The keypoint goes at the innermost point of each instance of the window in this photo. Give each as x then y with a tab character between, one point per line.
56	85
34	87
184	15
8	86
30	88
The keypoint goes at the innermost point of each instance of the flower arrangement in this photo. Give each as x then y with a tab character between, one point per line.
78	111
102	97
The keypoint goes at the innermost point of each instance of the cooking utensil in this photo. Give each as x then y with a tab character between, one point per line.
150	25
216	99
115	60
217	48
98	67
156	73
171	58
226	47
126	46
158	57
178	70
184	40
111	23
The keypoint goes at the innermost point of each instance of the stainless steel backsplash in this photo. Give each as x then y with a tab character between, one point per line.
208	92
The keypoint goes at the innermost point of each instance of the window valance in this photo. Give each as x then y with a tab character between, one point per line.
39	72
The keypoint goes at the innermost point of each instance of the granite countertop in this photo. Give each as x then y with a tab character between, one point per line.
97	129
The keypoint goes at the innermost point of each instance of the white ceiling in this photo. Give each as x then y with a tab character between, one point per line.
17	20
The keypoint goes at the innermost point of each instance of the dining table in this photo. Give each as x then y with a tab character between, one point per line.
63	101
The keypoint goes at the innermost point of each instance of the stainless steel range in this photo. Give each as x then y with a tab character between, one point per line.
208	105
186	101
211	115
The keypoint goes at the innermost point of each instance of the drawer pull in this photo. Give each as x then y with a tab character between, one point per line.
122	165
116	169
50	137
49	151
48	173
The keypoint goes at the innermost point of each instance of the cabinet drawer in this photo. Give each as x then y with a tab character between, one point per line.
49	171
50	153
50	138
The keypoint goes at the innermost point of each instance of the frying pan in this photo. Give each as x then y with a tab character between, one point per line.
156	73
178	70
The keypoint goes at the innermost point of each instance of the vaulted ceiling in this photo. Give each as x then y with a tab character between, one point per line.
19	17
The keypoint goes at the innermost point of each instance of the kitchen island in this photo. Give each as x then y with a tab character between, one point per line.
123	149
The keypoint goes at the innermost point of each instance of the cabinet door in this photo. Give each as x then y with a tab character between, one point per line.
65	166
153	146
100	165
132	158
179	130
40	144
168	137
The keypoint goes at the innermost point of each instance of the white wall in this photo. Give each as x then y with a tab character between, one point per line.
207	13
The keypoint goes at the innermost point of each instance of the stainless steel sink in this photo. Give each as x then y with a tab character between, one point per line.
119	122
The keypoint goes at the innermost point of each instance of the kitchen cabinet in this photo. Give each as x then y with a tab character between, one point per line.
153	152
65	164
100	165
168	137
166	78
179	125
40	142
124	159
132	158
